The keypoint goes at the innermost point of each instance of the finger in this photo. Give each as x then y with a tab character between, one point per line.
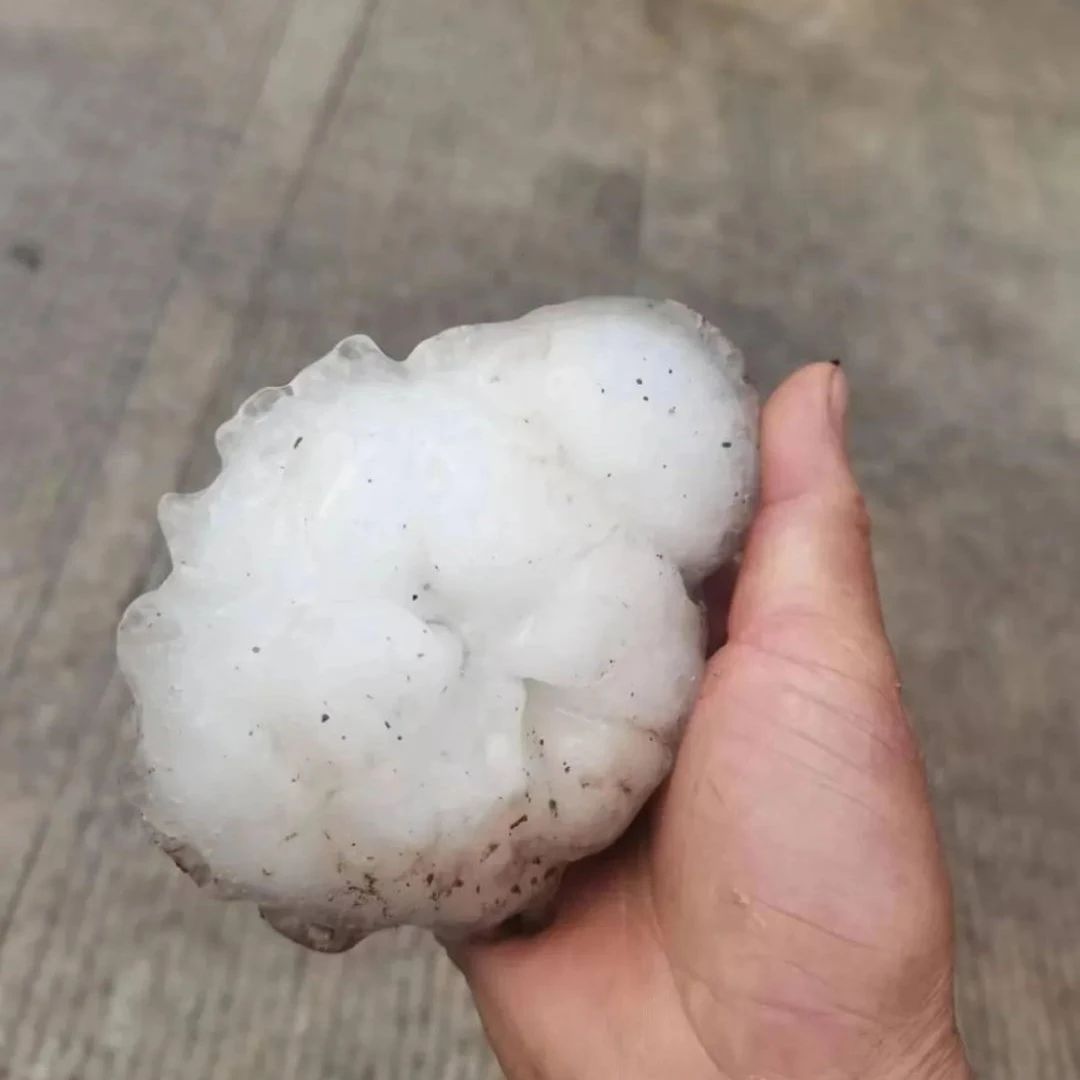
807	565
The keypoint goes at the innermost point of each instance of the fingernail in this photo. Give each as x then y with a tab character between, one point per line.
838	400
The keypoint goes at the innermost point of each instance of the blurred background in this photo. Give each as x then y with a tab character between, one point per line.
197	198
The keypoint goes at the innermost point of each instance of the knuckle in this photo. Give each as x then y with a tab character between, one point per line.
852	506
861	519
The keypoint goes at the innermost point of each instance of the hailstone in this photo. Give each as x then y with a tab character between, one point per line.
432	632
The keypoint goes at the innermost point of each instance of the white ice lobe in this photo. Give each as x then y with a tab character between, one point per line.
431	633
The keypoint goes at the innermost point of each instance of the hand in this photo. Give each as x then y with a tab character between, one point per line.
782	910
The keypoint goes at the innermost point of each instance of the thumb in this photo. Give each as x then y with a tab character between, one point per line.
797	864
807	580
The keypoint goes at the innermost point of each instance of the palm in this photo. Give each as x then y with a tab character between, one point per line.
780	909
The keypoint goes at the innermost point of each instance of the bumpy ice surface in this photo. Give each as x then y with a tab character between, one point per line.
432	632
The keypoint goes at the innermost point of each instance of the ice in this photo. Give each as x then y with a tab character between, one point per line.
433	631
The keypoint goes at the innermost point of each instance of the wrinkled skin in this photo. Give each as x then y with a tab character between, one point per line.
782	912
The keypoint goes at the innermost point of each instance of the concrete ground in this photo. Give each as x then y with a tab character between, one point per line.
196	198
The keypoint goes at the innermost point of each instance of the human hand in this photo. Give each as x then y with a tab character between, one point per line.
781	911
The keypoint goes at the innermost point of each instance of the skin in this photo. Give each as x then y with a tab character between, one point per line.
782	910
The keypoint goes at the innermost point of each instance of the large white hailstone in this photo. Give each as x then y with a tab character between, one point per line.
432	632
